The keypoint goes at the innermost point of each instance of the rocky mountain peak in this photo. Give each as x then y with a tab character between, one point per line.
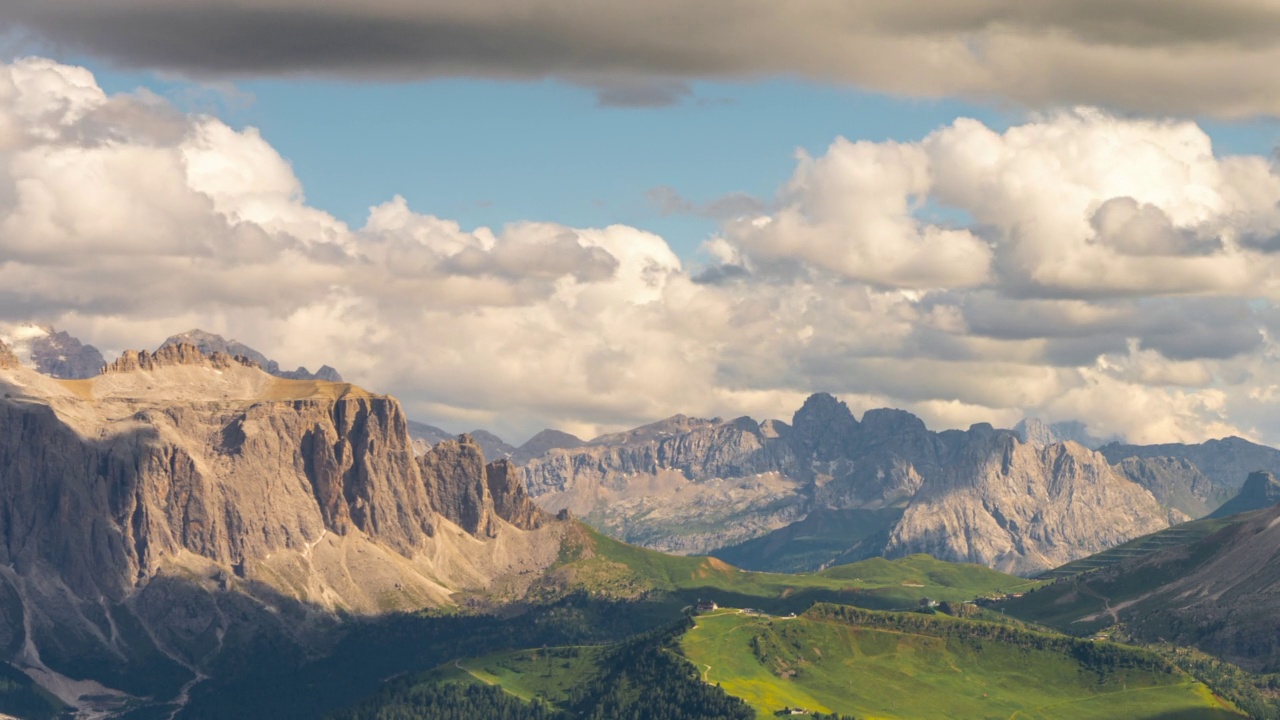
171	355
1262	484
1038	432
510	501
52	352
1261	490
824	427
210	343
771	429
543	443
891	421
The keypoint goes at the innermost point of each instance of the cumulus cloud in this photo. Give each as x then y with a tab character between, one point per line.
1098	268
1205	57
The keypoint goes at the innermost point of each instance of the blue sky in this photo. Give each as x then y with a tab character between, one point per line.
486	153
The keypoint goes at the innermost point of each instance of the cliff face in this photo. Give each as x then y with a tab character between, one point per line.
197	500
1021	508
681	485
982	495
453	472
1176	482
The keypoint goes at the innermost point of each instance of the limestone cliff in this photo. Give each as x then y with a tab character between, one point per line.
454	475
510	501
982	495
182	502
680	485
1022	508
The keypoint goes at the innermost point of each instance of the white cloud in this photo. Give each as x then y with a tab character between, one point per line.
1104	278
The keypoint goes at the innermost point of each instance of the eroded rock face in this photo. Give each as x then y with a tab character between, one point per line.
1176	483
171	355
1022	508
981	495
182	502
454	475
510	501
1226	462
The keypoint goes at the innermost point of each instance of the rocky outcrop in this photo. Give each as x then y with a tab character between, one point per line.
58	354
681	485
453	473
173	355
697	449
510	501
209	344
475	495
823	428
1261	490
51	352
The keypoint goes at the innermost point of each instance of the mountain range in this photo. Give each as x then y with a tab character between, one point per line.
828	488
181	508
170	518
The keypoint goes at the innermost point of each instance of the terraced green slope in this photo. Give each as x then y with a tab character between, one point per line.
1178	535
908	665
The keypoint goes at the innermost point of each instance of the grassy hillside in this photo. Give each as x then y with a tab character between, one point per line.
822	538
638	679
909	665
832	659
602	565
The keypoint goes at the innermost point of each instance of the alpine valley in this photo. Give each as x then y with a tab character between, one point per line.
193	532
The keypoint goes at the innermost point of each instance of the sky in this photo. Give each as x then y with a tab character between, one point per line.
588	216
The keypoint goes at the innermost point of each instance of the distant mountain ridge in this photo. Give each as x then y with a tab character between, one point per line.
209	343
981	495
52	352
1038	432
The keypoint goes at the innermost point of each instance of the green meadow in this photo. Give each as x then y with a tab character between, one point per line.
602	565
909	665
